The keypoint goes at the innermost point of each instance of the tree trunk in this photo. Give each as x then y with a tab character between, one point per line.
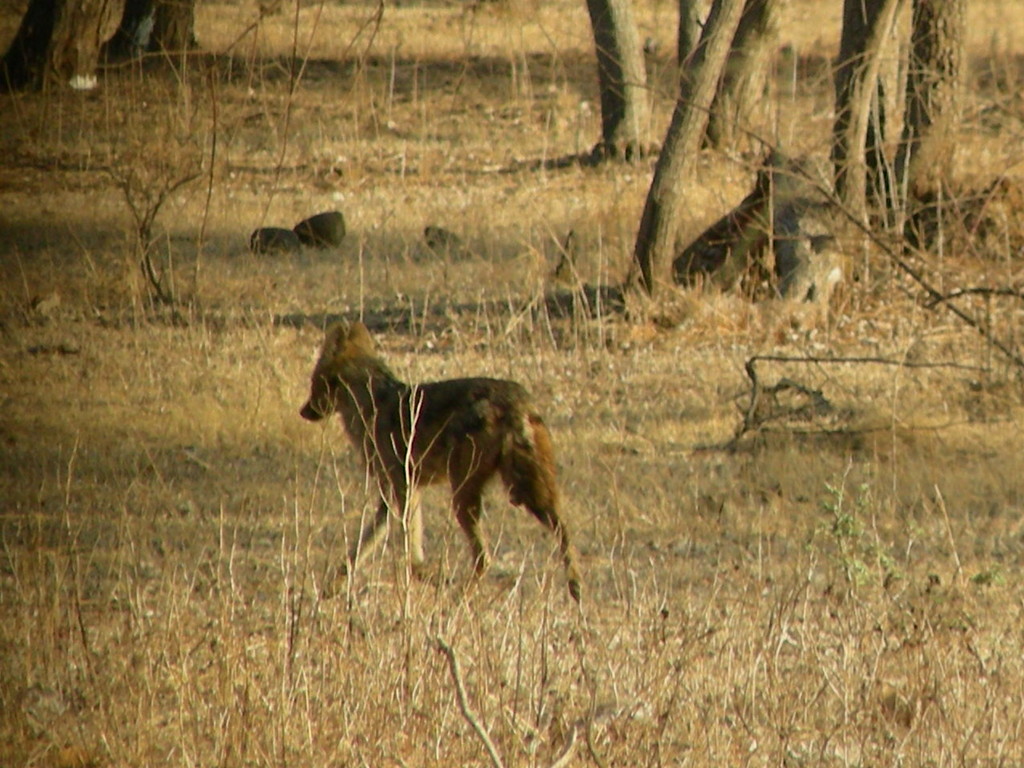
133	34
622	79
858	132
933	111
741	94
174	26
687	37
655	239
22	65
59	39
688	33
166	26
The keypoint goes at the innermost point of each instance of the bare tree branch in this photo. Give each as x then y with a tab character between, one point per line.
757	389
467	711
1015	293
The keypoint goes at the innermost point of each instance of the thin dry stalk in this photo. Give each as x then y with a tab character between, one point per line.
464	706
949	532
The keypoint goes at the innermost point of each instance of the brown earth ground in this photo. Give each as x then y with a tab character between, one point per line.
837	590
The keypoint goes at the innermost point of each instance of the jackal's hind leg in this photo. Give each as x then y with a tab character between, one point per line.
548	515
528	471
467	502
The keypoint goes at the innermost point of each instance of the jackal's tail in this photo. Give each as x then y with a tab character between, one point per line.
528	470
528	465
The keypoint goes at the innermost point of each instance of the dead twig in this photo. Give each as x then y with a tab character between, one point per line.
464	707
750	418
1015	293
144	200
569	750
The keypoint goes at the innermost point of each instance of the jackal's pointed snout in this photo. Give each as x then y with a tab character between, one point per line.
311	413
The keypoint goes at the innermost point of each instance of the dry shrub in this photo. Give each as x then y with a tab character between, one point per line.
973	222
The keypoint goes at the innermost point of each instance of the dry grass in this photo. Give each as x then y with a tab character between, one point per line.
834	592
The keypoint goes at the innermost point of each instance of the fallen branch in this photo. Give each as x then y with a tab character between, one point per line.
978	291
757	389
467	711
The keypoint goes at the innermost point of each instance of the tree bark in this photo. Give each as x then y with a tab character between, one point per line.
741	93
689	32
656	237
622	80
174	26
858	132
934	93
166	26
60	40
133	33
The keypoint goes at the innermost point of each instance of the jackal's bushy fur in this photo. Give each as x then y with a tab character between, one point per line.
464	431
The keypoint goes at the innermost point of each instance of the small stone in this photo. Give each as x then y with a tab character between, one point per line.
274	240
324	230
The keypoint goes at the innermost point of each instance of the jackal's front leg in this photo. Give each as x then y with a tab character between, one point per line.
368	536
411	515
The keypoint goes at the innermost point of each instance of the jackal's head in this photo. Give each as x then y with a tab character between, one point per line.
346	356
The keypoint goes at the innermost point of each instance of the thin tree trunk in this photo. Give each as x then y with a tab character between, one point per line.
859	123
689	31
59	39
622	79
741	93
174	26
934	92
687	37
656	237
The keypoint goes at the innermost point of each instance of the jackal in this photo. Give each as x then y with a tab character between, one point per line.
464	431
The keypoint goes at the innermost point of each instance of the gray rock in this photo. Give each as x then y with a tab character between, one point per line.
323	230
442	241
267	240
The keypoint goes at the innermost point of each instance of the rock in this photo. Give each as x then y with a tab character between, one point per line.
274	240
45	305
324	230
442	241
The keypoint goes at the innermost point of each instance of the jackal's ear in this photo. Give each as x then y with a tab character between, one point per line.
360	338
334	340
